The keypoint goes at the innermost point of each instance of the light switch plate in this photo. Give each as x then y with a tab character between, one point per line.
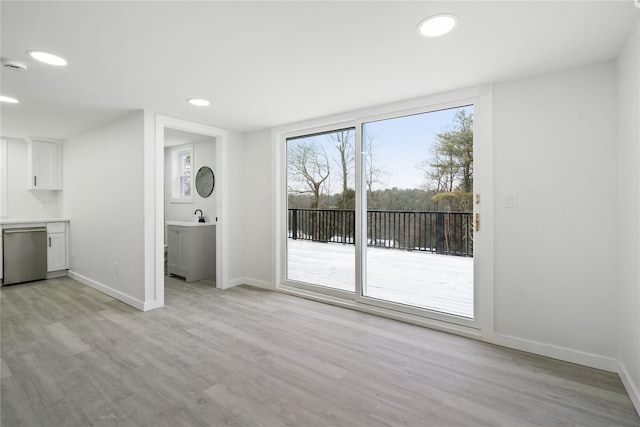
510	200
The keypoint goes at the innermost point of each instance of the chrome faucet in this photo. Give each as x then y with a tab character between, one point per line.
201	218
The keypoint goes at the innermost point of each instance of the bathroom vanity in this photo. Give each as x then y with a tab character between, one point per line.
191	251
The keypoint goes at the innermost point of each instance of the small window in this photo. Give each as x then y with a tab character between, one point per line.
182	174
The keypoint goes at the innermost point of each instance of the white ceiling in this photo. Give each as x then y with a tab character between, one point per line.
264	64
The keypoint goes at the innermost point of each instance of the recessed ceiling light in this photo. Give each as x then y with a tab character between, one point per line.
47	58
198	102
8	99
437	25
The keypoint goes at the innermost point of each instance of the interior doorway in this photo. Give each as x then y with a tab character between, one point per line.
190	205
194	147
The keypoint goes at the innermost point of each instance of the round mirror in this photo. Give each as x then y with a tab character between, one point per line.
205	181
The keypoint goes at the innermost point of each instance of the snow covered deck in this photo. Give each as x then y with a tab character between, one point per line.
438	282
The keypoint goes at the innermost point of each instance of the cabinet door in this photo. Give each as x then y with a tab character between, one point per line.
172	250
44	166
56	252
184	248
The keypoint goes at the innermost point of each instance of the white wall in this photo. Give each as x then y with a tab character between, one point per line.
629	212
257	206
204	154
22	203
237	217
103	197
555	264
3	178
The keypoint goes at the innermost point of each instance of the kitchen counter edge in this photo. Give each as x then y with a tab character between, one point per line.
31	221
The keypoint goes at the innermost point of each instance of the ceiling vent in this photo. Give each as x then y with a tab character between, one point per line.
13	65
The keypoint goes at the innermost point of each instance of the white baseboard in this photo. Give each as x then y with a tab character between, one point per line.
56	274
632	389
231	283
248	281
133	302
150	305
555	352
258	283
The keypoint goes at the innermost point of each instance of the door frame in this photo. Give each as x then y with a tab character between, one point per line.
481	98
222	238
281	204
361	207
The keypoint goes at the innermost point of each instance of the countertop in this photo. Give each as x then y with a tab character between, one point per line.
31	221
189	223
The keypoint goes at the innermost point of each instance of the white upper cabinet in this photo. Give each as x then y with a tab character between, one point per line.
44	165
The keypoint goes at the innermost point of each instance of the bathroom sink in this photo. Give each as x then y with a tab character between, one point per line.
188	223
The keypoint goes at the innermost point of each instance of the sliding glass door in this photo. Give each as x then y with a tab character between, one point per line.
418	179
321	209
383	212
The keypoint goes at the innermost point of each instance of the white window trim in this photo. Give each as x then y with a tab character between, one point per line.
175	174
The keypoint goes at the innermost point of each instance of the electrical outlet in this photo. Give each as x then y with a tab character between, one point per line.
116	268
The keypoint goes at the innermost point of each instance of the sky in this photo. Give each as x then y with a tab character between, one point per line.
399	144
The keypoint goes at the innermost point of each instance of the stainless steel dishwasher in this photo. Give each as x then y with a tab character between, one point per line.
24	254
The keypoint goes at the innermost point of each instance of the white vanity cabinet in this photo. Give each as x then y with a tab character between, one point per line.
56	246
44	165
191	250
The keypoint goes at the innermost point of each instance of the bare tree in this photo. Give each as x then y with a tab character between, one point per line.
374	173
308	165
343	141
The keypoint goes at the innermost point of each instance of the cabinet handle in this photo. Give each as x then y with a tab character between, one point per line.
35	181
49	241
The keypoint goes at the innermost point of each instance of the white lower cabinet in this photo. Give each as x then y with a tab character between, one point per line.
56	246
191	251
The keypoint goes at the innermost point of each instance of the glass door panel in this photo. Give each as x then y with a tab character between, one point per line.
418	177
321	210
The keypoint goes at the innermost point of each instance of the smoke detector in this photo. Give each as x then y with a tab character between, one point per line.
13	65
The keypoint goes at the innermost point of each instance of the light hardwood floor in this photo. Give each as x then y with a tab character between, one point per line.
72	356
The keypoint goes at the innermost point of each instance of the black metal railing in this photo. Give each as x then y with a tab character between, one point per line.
449	233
